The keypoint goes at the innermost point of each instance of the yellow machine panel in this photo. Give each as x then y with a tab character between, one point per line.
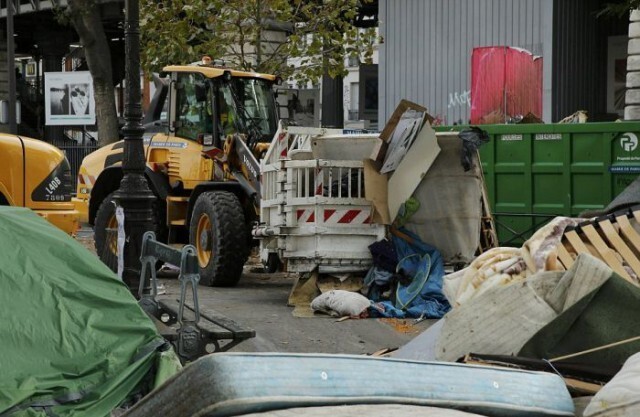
36	175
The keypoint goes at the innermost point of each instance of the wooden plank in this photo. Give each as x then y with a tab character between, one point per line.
583	387
487	223
607	254
619	245
629	232
578	245
564	256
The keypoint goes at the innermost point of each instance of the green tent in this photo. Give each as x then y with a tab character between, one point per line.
74	341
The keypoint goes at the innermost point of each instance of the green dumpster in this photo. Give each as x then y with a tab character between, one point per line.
534	172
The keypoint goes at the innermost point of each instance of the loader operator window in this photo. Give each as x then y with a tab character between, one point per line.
256	100
227	117
193	107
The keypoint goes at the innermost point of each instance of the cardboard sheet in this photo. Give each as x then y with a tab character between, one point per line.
403	137
412	169
378	154
375	190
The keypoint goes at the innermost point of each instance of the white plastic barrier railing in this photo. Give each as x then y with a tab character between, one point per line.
313	211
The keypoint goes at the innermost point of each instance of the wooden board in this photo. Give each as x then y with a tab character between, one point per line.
606	253
620	246
629	232
565	257
577	244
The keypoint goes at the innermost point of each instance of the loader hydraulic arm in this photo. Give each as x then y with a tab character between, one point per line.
247	169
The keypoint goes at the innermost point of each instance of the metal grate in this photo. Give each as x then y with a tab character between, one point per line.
75	154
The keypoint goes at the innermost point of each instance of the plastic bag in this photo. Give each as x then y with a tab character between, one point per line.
472	139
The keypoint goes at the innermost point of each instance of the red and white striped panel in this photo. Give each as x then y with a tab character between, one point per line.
353	216
319	181
332	216
282	145
85	179
306	216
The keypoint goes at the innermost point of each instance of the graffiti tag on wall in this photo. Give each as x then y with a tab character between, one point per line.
459	99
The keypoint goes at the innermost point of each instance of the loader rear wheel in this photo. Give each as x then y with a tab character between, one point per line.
106	230
218	232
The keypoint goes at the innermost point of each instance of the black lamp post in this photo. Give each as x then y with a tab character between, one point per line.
134	194
11	69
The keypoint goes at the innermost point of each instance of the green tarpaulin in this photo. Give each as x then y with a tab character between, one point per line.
74	342
608	314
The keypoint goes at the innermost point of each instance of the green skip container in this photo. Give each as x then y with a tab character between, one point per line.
534	172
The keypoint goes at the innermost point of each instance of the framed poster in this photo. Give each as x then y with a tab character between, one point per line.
68	98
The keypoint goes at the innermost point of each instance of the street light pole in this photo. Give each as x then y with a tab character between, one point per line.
11	65
134	194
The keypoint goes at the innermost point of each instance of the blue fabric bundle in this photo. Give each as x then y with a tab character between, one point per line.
422	295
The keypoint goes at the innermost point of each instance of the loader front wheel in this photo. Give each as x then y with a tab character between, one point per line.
106	233
218	232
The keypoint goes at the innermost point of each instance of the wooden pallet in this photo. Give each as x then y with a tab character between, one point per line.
612	239
488	233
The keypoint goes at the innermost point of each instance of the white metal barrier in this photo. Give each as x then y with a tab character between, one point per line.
313	211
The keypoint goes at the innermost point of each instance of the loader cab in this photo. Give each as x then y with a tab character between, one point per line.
207	104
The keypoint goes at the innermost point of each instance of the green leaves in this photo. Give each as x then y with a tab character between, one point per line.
618	8
257	35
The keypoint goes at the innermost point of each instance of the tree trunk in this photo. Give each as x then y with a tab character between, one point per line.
85	17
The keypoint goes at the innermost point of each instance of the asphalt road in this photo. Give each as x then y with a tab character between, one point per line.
260	302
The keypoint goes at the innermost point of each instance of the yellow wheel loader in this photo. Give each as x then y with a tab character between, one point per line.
36	175
203	168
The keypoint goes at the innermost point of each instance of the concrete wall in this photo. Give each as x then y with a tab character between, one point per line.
426	54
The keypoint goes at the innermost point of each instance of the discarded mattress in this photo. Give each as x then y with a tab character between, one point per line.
369	410
502	266
450	203
230	384
548	315
620	397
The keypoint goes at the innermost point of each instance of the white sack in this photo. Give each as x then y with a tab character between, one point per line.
342	303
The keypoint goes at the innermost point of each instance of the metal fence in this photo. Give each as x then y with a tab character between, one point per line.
75	154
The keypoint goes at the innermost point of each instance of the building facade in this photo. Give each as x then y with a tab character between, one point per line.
427	47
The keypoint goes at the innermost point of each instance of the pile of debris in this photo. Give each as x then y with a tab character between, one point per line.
427	197
566	303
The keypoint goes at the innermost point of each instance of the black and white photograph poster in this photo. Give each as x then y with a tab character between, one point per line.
68	98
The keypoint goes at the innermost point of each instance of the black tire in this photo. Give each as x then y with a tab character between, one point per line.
106	230
218	231
273	264
106	233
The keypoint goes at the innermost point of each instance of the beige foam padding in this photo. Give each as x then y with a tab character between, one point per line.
304	290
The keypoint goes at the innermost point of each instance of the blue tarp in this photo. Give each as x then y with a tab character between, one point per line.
422	296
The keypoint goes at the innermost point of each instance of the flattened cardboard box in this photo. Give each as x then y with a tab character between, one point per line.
419	158
380	150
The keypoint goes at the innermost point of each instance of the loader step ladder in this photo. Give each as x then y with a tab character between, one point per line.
193	331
